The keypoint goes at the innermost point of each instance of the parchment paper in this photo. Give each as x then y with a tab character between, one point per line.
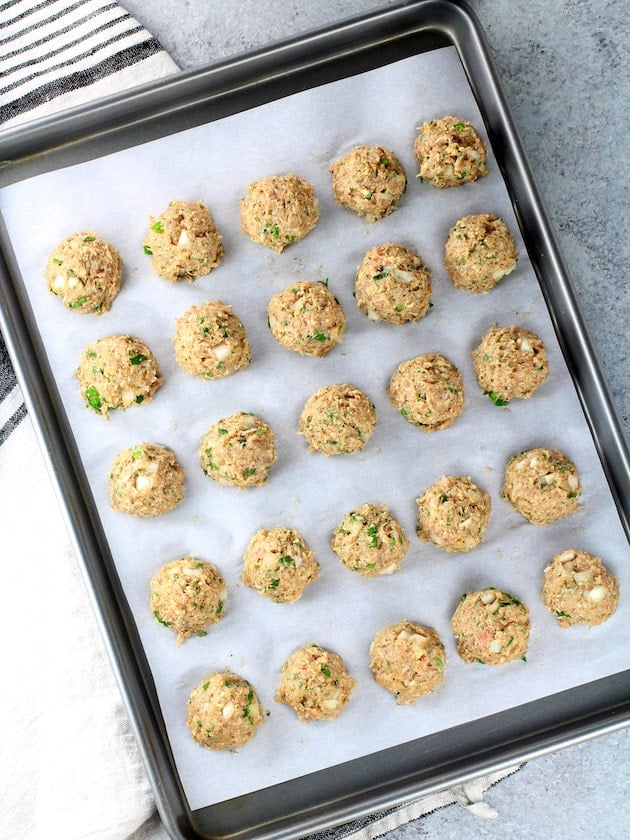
305	133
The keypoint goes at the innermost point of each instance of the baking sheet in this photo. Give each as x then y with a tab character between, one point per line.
305	133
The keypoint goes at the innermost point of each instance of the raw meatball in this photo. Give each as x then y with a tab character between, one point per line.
370	541
491	627
510	362
183	242
393	284
306	317
315	683
146	480
542	484
210	341
579	589
84	271
187	595
408	660
117	372
428	391
453	514
450	152
369	180
279	564
479	252
278	210
238	451
337	419
223	711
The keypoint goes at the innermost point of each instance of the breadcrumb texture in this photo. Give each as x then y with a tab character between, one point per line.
146	480
369	181
408	660
542	484
224	711
84	271
450	152
278	210
578	589
491	627
315	684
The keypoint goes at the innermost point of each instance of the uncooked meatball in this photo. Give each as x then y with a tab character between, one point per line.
224	711
183	242
278	210
408	660
187	595
450	153
279	564
117	372
307	318
428	391
543	485
315	683
491	627
369	180
337	419
509	363
370	541
393	284
453	514
146	480
84	271
238	451
210	341
578	589
479	252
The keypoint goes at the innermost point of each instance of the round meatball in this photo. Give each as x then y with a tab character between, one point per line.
393	284
578	589
479	252
450	153
146	480
238	451
278	210
307	318
370	541
117	372
428	391
337	419
408	660
187	595
509	363
315	683
543	485
224	711
210	341
453	514
491	627
369	180
84	271
279	564
183	242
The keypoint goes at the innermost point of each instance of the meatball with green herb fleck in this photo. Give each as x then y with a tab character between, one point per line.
393	284
479	252
187	596
146	480
491	627
369	181
509	363
224	711
453	514
84	272
315	684
279	564
238	451
408	660
210	341
542	484
579	589
118	371
428	391
278	211
183	242
337	419
306	318
450	153
370	541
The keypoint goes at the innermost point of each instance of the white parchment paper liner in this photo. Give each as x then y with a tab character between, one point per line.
305	133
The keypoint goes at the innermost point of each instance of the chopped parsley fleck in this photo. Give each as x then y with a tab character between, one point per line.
93	398
158	227
89	238
496	399
147	250
136	358
137	453
325	670
160	619
75	304
286	560
139	399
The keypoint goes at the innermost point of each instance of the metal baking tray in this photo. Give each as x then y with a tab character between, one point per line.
328	797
